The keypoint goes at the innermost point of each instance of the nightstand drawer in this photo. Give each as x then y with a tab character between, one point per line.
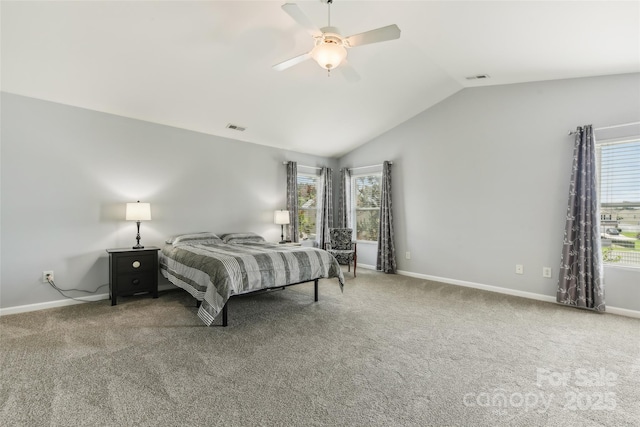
136	263
129	284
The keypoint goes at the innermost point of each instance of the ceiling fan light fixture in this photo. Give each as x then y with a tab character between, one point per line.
330	48
329	54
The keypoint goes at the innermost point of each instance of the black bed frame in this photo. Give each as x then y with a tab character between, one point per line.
259	291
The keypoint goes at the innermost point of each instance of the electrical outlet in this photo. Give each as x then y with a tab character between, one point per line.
519	269
546	271
407	255
47	275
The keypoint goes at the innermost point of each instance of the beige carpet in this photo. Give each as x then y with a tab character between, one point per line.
390	351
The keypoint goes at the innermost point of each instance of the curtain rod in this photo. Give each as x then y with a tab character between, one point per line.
316	167
304	166
611	127
365	167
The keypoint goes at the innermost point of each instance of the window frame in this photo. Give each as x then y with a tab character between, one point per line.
603	206
355	209
312	212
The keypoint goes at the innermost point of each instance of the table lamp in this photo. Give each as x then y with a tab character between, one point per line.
138	212
282	218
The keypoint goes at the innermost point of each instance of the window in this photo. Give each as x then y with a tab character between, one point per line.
619	196
307	205
365	190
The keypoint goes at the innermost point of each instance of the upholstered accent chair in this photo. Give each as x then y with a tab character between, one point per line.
342	247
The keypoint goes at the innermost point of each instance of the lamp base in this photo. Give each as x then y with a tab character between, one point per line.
138	245
282	234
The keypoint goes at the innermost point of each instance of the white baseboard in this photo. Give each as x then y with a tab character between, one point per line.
623	312
481	286
367	266
51	304
507	291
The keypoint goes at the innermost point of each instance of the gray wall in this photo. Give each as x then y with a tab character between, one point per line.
66	174
481	181
480	184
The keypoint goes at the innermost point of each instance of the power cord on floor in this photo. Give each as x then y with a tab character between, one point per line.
61	291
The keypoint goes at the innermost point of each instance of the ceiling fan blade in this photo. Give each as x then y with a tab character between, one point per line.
348	72
298	15
291	62
390	32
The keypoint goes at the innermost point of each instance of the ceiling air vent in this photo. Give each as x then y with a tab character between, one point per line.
235	127
478	77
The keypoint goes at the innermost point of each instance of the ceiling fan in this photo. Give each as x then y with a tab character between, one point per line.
330	50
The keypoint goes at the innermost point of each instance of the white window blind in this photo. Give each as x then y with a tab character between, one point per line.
619	197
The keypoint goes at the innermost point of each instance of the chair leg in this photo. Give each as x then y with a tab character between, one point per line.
355	261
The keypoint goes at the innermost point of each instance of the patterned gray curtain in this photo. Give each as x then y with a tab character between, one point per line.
580	281
324	217
344	207
386	250
292	200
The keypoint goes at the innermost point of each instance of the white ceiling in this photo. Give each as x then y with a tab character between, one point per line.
202	65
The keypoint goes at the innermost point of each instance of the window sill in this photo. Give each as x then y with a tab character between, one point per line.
622	267
366	242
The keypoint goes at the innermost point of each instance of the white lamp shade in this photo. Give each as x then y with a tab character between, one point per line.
329	55
281	217
138	212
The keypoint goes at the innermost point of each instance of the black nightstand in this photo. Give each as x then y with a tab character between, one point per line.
133	271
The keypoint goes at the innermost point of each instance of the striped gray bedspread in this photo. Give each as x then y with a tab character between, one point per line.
213	273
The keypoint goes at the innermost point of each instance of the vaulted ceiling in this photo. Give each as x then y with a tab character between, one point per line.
202	65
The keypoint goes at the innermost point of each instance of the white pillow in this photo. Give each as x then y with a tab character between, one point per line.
247	237
202	238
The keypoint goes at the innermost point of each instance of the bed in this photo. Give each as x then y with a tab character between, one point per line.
215	268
